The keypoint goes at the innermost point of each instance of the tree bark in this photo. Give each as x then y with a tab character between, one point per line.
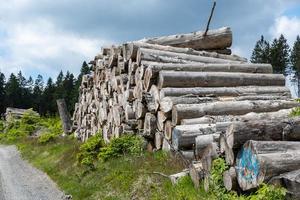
289	180
261	130
225	91
169	57
130	51
168	130
210	119
221	79
149	125
167	103
215	39
189	111
183	137
259	161
153	69
230	180
64	115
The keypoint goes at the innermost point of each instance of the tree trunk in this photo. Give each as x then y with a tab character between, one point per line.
167	103
189	111
153	69
221	79
230	180
289	180
225	91
149	125
171	57
130	51
261	130
259	161
215	39
210	119
183	137
64	115
161	118
168	129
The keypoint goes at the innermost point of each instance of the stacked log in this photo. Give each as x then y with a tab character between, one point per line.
181	94
16	113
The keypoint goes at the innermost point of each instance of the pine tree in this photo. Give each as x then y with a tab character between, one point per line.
69	85
295	55
37	94
261	51
2	93
13	92
59	89
279	54
49	99
85	69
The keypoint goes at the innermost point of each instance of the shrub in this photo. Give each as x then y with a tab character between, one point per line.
30	118
1	126
296	111
89	150
53	128
47	137
268	192
128	144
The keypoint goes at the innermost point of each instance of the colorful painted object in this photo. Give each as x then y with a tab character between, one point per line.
247	166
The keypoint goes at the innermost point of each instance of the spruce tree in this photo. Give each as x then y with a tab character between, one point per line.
37	94
279	54
261	51
49	99
13	92
85	69
295	55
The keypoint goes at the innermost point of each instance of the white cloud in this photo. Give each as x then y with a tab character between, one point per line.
39	46
288	26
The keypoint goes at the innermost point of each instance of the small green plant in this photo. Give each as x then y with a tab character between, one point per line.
89	150
1	126
296	111
128	144
268	192
53	128
47	137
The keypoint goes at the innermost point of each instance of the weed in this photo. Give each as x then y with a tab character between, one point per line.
127	144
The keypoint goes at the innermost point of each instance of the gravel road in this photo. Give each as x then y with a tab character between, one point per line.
20	181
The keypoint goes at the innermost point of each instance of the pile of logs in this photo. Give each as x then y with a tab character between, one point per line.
16	113
188	94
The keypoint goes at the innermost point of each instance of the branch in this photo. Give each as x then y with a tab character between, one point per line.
211	14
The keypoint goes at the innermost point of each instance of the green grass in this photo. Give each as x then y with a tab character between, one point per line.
127	177
119	171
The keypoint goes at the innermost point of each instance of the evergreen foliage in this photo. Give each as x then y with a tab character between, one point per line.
261	52
20	92
295	54
277	54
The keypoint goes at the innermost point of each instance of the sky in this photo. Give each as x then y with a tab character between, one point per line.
46	36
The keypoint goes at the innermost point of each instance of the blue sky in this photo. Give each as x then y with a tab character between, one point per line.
45	36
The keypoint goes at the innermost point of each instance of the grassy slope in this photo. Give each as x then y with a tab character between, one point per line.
126	177
122	178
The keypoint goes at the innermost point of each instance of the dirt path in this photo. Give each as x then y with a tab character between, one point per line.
20	181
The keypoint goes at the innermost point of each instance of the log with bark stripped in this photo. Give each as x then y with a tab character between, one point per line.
226	91
189	111
153	69
167	57
221	79
215	39
211	119
130	51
